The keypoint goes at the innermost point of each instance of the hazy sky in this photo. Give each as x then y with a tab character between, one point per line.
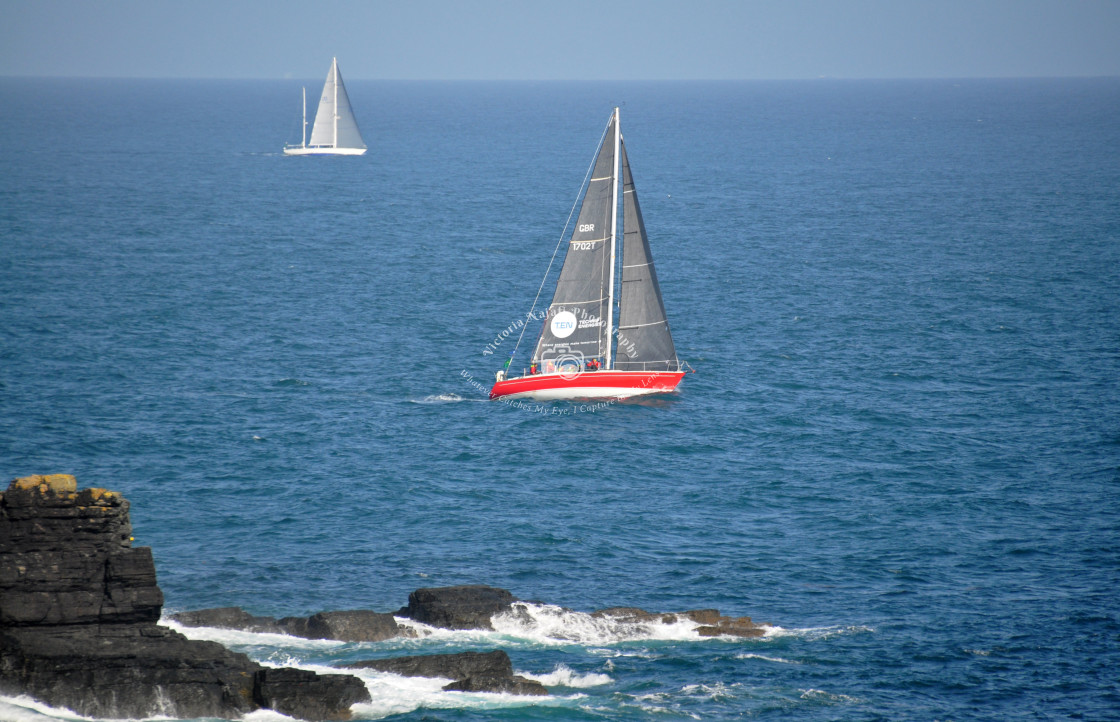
561	39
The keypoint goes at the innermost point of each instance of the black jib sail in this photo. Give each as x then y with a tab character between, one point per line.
575	329
644	340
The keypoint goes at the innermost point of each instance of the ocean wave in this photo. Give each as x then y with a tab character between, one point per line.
766	658
818	695
815	633
442	399
549	624
564	676
25	709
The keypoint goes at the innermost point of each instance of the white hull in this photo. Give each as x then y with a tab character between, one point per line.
310	150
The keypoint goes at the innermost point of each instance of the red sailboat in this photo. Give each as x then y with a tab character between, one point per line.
579	353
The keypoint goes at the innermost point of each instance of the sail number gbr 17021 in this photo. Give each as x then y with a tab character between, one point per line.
584	245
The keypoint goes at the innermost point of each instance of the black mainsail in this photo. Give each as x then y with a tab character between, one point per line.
644	340
576	327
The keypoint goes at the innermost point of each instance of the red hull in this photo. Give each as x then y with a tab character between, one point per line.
588	385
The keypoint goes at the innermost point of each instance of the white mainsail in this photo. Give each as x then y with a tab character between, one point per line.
336	130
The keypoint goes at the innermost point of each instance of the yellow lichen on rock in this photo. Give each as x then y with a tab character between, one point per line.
97	498
28	482
61	483
58	483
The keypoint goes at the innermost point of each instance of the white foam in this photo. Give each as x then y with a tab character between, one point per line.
393	694
815	633
267	715
563	676
237	637
717	691
25	709
766	658
831	697
657	704
548	624
429	634
443	399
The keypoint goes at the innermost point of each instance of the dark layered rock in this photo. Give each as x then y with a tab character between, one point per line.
449	666
462	607
359	625
78	622
714	624
711	622
307	695
66	557
509	685
228	618
126	671
473	671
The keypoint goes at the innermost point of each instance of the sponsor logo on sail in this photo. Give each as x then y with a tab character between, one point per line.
563	324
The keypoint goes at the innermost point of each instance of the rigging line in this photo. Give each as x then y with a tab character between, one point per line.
568	222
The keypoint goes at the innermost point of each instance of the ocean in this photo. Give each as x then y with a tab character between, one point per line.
900	448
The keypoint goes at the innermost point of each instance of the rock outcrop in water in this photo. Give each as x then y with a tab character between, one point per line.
472	671
712	623
464	607
461	607
79	612
358	625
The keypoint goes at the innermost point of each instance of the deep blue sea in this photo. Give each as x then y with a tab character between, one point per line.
900	448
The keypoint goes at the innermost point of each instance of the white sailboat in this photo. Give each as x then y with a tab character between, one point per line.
580	354
336	130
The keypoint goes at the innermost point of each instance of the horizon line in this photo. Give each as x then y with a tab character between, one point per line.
6	76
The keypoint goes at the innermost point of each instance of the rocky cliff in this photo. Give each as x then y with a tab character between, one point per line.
79	612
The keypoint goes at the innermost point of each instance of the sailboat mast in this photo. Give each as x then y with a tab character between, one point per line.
303	139
614	229
334	69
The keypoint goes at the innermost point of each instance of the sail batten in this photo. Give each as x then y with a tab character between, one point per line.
642	325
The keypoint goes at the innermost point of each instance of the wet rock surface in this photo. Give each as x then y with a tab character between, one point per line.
710	622
79	612
359	625
472	671
461	607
